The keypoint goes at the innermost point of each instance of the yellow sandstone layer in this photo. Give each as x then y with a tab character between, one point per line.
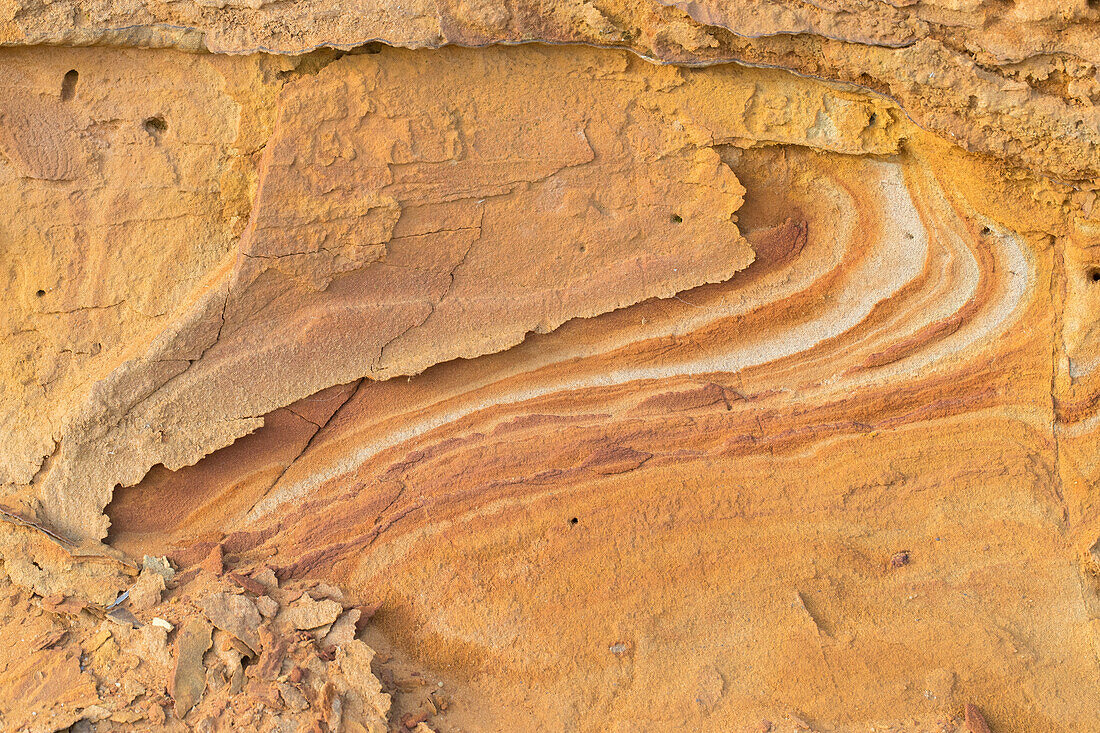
545	387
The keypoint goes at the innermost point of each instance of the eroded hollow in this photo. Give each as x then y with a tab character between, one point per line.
155	126
68	84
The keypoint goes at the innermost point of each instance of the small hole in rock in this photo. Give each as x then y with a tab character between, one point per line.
68	85
574	520
40	293
155	125
873	118
986	231
677	219
1094	274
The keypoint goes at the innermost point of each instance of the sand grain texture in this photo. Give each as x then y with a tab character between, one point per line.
717	366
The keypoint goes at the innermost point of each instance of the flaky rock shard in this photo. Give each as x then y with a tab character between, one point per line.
368	705
234	614
188	677
307	613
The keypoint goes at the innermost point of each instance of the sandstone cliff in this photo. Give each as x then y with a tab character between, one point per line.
610	365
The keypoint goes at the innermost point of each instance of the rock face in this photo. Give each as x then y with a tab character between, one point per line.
523	387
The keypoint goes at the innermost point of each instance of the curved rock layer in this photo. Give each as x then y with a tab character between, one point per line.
828	488
601	394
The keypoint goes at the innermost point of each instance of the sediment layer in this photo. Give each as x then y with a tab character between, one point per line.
754	387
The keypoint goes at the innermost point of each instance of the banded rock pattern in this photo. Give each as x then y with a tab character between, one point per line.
720	477
634	396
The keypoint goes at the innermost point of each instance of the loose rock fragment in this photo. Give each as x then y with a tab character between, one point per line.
214	562
145	593
188	678
58	603
307	613
370	703
124	616
343	630
267	606
271	659
899	559
252	586
236	615
159	565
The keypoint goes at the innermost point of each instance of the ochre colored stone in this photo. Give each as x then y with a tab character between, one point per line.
188	676
751	390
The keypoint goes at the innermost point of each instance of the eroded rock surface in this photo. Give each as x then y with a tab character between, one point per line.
545	386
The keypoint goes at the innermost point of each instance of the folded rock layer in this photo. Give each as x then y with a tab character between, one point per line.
752	390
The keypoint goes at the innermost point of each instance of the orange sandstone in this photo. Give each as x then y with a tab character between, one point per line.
546	387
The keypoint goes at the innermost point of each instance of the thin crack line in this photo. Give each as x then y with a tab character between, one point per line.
307	446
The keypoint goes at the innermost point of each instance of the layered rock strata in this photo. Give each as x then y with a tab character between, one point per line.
749	390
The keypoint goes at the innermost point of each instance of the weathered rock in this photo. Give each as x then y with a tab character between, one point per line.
234	614
267	606
45	691
150	643
306	613
270	663
630	396
188	679
342	631
368	705
214	562
160	566
145	592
